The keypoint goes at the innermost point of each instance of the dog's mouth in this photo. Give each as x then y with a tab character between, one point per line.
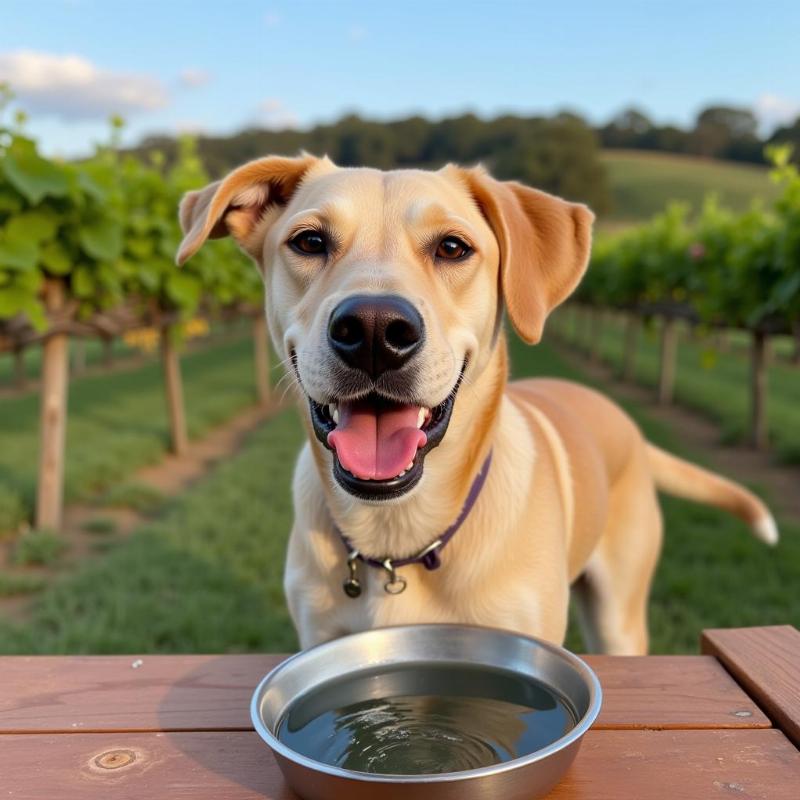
379	445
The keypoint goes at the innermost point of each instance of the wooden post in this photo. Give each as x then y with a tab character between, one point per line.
632	326
53	424
173	387
20	378
261	352
669	348
796	334
759	430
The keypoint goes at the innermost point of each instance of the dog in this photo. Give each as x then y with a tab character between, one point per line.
430	488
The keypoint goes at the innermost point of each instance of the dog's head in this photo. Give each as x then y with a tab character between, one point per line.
385	291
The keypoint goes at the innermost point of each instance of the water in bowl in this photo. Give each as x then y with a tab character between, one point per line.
423	719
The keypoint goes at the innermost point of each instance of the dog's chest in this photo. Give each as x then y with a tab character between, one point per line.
376	608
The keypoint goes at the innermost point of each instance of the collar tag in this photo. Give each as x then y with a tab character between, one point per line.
430	557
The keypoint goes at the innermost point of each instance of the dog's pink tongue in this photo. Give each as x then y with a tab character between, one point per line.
376	442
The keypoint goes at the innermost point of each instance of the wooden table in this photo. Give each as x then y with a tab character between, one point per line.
724	724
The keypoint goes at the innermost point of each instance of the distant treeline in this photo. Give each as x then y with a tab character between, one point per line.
718	132
559	154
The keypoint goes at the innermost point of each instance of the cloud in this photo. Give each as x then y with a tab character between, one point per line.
772	111
273	114
191	78
73	88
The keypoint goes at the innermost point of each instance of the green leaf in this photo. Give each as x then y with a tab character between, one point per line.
89	185
787	289
140	247
36	226
55	258
183	289
33	176
10	201
16	250
12	301
101	239
22	299
83	282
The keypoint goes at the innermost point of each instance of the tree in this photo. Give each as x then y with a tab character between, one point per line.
720	130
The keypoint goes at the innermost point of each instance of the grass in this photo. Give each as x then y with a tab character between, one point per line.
132	494
642	183
207	577
100	526
117	422
13	583
39	548
715	383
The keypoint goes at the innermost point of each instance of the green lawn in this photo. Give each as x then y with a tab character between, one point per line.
643	183
206	576
715	383
118	423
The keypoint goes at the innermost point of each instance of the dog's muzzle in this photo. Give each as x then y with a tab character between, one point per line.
379	442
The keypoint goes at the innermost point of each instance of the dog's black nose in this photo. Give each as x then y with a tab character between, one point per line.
375	332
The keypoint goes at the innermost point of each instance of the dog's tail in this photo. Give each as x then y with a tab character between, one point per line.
683	479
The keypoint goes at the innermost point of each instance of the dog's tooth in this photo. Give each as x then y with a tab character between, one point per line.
401	474
410	464
423	413
334	412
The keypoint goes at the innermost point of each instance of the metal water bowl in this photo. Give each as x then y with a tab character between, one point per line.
367	654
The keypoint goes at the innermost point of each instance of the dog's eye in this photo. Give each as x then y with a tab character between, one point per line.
309	243
451	248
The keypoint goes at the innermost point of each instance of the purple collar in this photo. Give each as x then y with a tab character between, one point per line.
429	557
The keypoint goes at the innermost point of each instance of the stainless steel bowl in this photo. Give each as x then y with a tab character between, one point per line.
521	778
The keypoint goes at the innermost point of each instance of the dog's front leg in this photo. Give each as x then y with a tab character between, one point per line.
311	596
307	595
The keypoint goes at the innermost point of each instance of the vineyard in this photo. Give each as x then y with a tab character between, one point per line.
87	253
718	271
93	308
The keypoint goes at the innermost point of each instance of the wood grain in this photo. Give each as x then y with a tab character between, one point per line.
237	766
172	693
766	662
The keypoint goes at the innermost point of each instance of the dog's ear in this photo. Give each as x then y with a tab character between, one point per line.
544	246
235	205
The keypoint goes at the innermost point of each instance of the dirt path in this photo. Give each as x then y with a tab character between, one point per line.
170	477
781	481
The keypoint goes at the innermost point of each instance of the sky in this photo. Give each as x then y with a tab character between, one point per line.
216	67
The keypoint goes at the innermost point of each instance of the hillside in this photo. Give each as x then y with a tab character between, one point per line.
643	182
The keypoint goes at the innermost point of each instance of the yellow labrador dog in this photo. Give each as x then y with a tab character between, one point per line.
430	489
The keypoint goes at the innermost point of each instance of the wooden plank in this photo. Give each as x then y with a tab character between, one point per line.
663	692
238	766
105	693
766	662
